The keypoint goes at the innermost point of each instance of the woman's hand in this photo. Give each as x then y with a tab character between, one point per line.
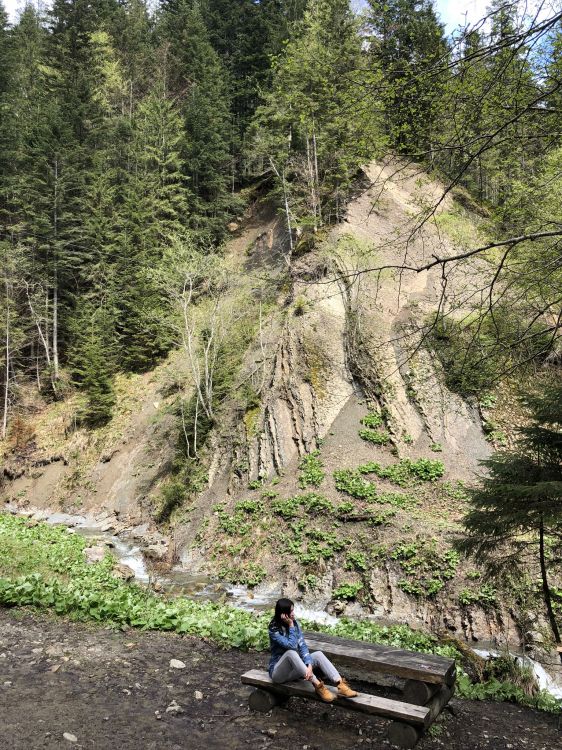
308	674
288	620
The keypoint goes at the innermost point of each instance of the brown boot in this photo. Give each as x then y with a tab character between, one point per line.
345	690
324	694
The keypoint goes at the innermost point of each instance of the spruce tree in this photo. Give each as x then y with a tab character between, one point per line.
199	80
408	44
92	362
516	510
317	127
153	213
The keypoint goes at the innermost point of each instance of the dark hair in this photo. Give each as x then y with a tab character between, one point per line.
282	607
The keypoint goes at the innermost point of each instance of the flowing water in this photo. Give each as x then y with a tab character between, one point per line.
178	580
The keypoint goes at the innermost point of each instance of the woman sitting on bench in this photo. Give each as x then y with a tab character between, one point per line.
291	659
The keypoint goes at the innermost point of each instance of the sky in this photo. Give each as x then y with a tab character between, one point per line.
451	11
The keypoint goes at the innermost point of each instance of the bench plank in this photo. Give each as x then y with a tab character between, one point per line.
409	665
370	704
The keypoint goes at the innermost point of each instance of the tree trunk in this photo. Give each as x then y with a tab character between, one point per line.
546	587
55	374
7	370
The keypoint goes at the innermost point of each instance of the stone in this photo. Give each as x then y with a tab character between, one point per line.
94	554
232	227
534	636
198	695
70	737
176	664
124	572
156	551
174	708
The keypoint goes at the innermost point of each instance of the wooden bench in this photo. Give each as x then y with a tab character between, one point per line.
429	684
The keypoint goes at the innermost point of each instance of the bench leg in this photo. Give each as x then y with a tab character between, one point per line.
419	693
262	700
403	735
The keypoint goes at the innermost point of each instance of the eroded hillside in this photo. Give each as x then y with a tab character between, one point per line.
334	470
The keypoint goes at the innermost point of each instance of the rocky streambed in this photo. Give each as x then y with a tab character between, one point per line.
141	555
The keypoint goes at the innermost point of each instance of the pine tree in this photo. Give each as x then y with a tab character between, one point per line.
408	44
317	126
516	511
198	79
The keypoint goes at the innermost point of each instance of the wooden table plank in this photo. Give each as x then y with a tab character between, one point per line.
374	657
370	704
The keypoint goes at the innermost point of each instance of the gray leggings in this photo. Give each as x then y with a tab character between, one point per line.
291	667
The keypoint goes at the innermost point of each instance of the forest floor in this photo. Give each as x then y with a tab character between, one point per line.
108	689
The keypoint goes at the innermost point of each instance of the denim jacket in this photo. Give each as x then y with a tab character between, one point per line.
283	639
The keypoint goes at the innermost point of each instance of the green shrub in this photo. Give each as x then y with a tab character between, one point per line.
475	351
372	420
352	483
377	437
311	468
347	591
426	569
406	471
485	596
356	561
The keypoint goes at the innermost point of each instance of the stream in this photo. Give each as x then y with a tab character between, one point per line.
180	581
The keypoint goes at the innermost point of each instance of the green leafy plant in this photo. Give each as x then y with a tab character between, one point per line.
372	420
352	483
406	471
347	591
356	561
312	472
485	596
425	567
377	437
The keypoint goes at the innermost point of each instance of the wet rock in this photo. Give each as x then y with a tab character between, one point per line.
94	554
156	551
124	572
535	636
336	608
